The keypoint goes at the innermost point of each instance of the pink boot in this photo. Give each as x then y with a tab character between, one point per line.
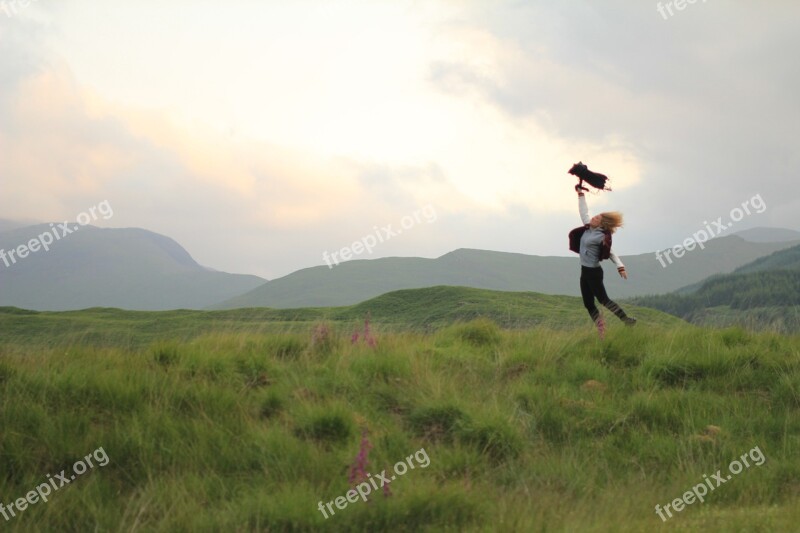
601	327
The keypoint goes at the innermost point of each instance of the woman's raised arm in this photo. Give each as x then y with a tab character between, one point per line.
583	209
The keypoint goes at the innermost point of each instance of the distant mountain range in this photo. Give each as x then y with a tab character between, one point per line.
356	281
769	235
136	269
128	268
6	225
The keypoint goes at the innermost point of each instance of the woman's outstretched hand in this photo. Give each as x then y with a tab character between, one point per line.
579	189
622	272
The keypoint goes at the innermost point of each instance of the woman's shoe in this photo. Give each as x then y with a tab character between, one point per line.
601	328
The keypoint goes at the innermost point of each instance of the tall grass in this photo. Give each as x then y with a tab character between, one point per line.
526	430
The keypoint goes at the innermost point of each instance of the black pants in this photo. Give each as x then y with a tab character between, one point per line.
592	287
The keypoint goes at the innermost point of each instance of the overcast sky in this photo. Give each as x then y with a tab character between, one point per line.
260	134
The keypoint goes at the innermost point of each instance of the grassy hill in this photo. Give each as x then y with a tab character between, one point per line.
355	281
764	294
788	259
434	307
128	267
210	422
412	309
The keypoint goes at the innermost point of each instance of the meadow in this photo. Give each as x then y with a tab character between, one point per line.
213	421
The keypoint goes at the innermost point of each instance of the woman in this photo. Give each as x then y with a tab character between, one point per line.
595	245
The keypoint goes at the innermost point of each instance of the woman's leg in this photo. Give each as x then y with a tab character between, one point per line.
599	290
588	295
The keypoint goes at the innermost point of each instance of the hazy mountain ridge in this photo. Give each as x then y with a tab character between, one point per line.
762	234
130	268
133	268
8	225
359	280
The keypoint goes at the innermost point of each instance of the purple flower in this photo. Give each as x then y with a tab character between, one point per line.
358	470
367	337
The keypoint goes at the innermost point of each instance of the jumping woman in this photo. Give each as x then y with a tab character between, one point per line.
593	242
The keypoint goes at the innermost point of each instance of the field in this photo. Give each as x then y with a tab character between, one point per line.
245	420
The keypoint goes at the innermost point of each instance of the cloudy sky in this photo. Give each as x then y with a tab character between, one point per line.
260	134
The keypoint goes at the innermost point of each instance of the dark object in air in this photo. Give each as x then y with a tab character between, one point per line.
596	180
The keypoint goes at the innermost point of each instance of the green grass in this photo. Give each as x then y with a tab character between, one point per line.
422	310
217	425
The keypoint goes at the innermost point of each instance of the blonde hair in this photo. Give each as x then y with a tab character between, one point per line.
611	220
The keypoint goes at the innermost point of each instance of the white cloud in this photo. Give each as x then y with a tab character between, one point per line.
258	134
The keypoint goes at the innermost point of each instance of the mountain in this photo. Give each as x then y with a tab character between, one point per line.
7	225
355	281
129	268
769	234
763	294
788	259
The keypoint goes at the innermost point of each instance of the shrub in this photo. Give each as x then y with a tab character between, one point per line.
330	427
287	347
497	439
271	405
735	336
440	422
480	332
166	353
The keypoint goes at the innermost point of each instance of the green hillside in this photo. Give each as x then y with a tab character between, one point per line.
783	259
416	309
355	281
439	306
220	425
764	294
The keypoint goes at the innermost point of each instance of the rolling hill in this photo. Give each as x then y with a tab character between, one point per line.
132	268
412	309
356	281
763	294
